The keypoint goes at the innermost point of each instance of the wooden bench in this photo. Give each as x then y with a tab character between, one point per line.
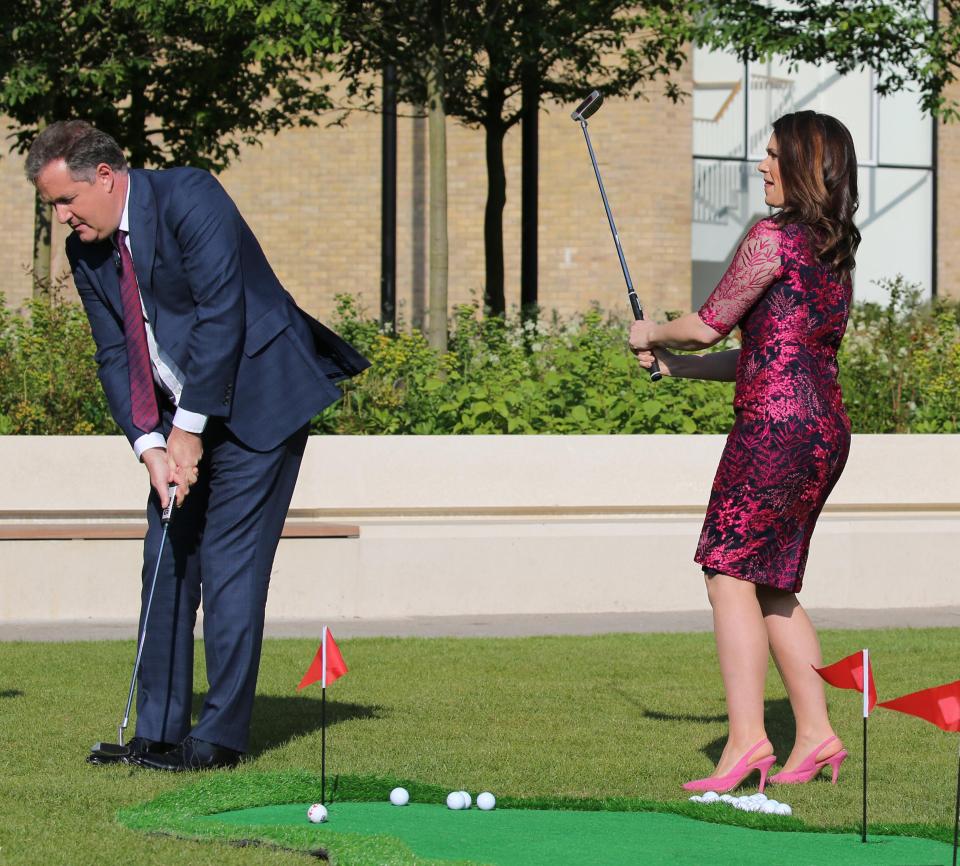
135	531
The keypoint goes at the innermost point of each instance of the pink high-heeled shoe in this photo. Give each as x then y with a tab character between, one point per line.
810	767
744	767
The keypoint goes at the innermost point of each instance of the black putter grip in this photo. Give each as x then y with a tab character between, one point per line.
171	502
655	374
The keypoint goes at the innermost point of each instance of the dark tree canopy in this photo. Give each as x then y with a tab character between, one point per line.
174	81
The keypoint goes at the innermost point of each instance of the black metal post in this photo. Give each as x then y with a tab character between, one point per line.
530	160
956	815
935	205
863	837
388	202
323	747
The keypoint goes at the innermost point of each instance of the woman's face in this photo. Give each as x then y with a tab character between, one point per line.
770	169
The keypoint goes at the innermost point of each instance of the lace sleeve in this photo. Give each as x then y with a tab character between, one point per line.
755	266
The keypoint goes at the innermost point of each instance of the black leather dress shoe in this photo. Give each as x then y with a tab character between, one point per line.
112	753
191	754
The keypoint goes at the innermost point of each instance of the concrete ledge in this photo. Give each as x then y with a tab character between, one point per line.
126	531
502	626
492	526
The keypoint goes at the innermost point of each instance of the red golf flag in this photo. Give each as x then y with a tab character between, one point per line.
939	705
327	665
848	674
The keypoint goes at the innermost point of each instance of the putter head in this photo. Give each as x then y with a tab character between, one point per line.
109	749
588	107
108	753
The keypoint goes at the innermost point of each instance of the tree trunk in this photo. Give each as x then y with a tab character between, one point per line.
42	251
493	215
388	202
439	253
135	122
42	227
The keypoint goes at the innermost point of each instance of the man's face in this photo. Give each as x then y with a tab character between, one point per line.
92	208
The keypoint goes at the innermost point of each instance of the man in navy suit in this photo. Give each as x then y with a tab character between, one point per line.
213	374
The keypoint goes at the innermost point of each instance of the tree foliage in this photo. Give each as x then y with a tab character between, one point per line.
174	81
898	39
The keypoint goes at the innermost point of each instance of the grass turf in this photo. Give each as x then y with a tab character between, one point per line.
613	716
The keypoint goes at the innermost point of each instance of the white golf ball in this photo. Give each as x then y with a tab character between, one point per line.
467	800
317	813
711	797
727	798
768	808
696	798
399	796
455	800
784	809
486	801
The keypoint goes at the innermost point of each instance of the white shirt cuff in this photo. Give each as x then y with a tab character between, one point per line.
148	440
192	422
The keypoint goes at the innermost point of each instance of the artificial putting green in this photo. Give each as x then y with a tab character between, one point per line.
270	809
541	837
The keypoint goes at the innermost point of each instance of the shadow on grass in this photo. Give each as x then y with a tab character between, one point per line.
778	718
11	693
777	714
277	719
681	717
657	716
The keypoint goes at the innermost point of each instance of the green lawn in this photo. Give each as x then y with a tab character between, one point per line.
598	717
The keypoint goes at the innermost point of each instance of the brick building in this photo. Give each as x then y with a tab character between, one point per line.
313	196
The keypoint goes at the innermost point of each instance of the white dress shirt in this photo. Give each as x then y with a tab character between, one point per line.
165	372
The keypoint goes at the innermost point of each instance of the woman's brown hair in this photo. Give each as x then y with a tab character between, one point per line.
818	167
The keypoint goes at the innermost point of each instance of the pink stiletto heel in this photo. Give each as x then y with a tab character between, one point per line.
744	767
810	767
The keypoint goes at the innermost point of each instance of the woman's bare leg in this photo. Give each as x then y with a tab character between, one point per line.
742	647
796	650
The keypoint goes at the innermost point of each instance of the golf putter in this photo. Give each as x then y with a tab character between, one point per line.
119	749
586	109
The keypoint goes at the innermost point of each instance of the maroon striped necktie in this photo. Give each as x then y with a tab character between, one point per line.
143	398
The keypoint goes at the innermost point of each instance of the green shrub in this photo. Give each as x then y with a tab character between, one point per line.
510	376
899	364
899	368
48	378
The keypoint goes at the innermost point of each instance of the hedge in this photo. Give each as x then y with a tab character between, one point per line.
900	364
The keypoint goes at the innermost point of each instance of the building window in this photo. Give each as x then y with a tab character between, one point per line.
734	106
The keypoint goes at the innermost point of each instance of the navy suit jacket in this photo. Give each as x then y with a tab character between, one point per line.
248	353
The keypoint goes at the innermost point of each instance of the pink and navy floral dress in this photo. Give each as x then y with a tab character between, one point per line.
791	436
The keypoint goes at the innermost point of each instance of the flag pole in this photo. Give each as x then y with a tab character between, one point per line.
956	815
323	720
323	747
866	713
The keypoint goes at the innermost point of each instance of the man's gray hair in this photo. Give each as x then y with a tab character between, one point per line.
79	144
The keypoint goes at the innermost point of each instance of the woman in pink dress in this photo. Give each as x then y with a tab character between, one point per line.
788	289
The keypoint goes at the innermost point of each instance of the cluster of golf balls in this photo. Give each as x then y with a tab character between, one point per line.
461	800
455	799
746	803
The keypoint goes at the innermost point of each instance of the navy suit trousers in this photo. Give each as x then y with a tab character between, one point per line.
220	546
